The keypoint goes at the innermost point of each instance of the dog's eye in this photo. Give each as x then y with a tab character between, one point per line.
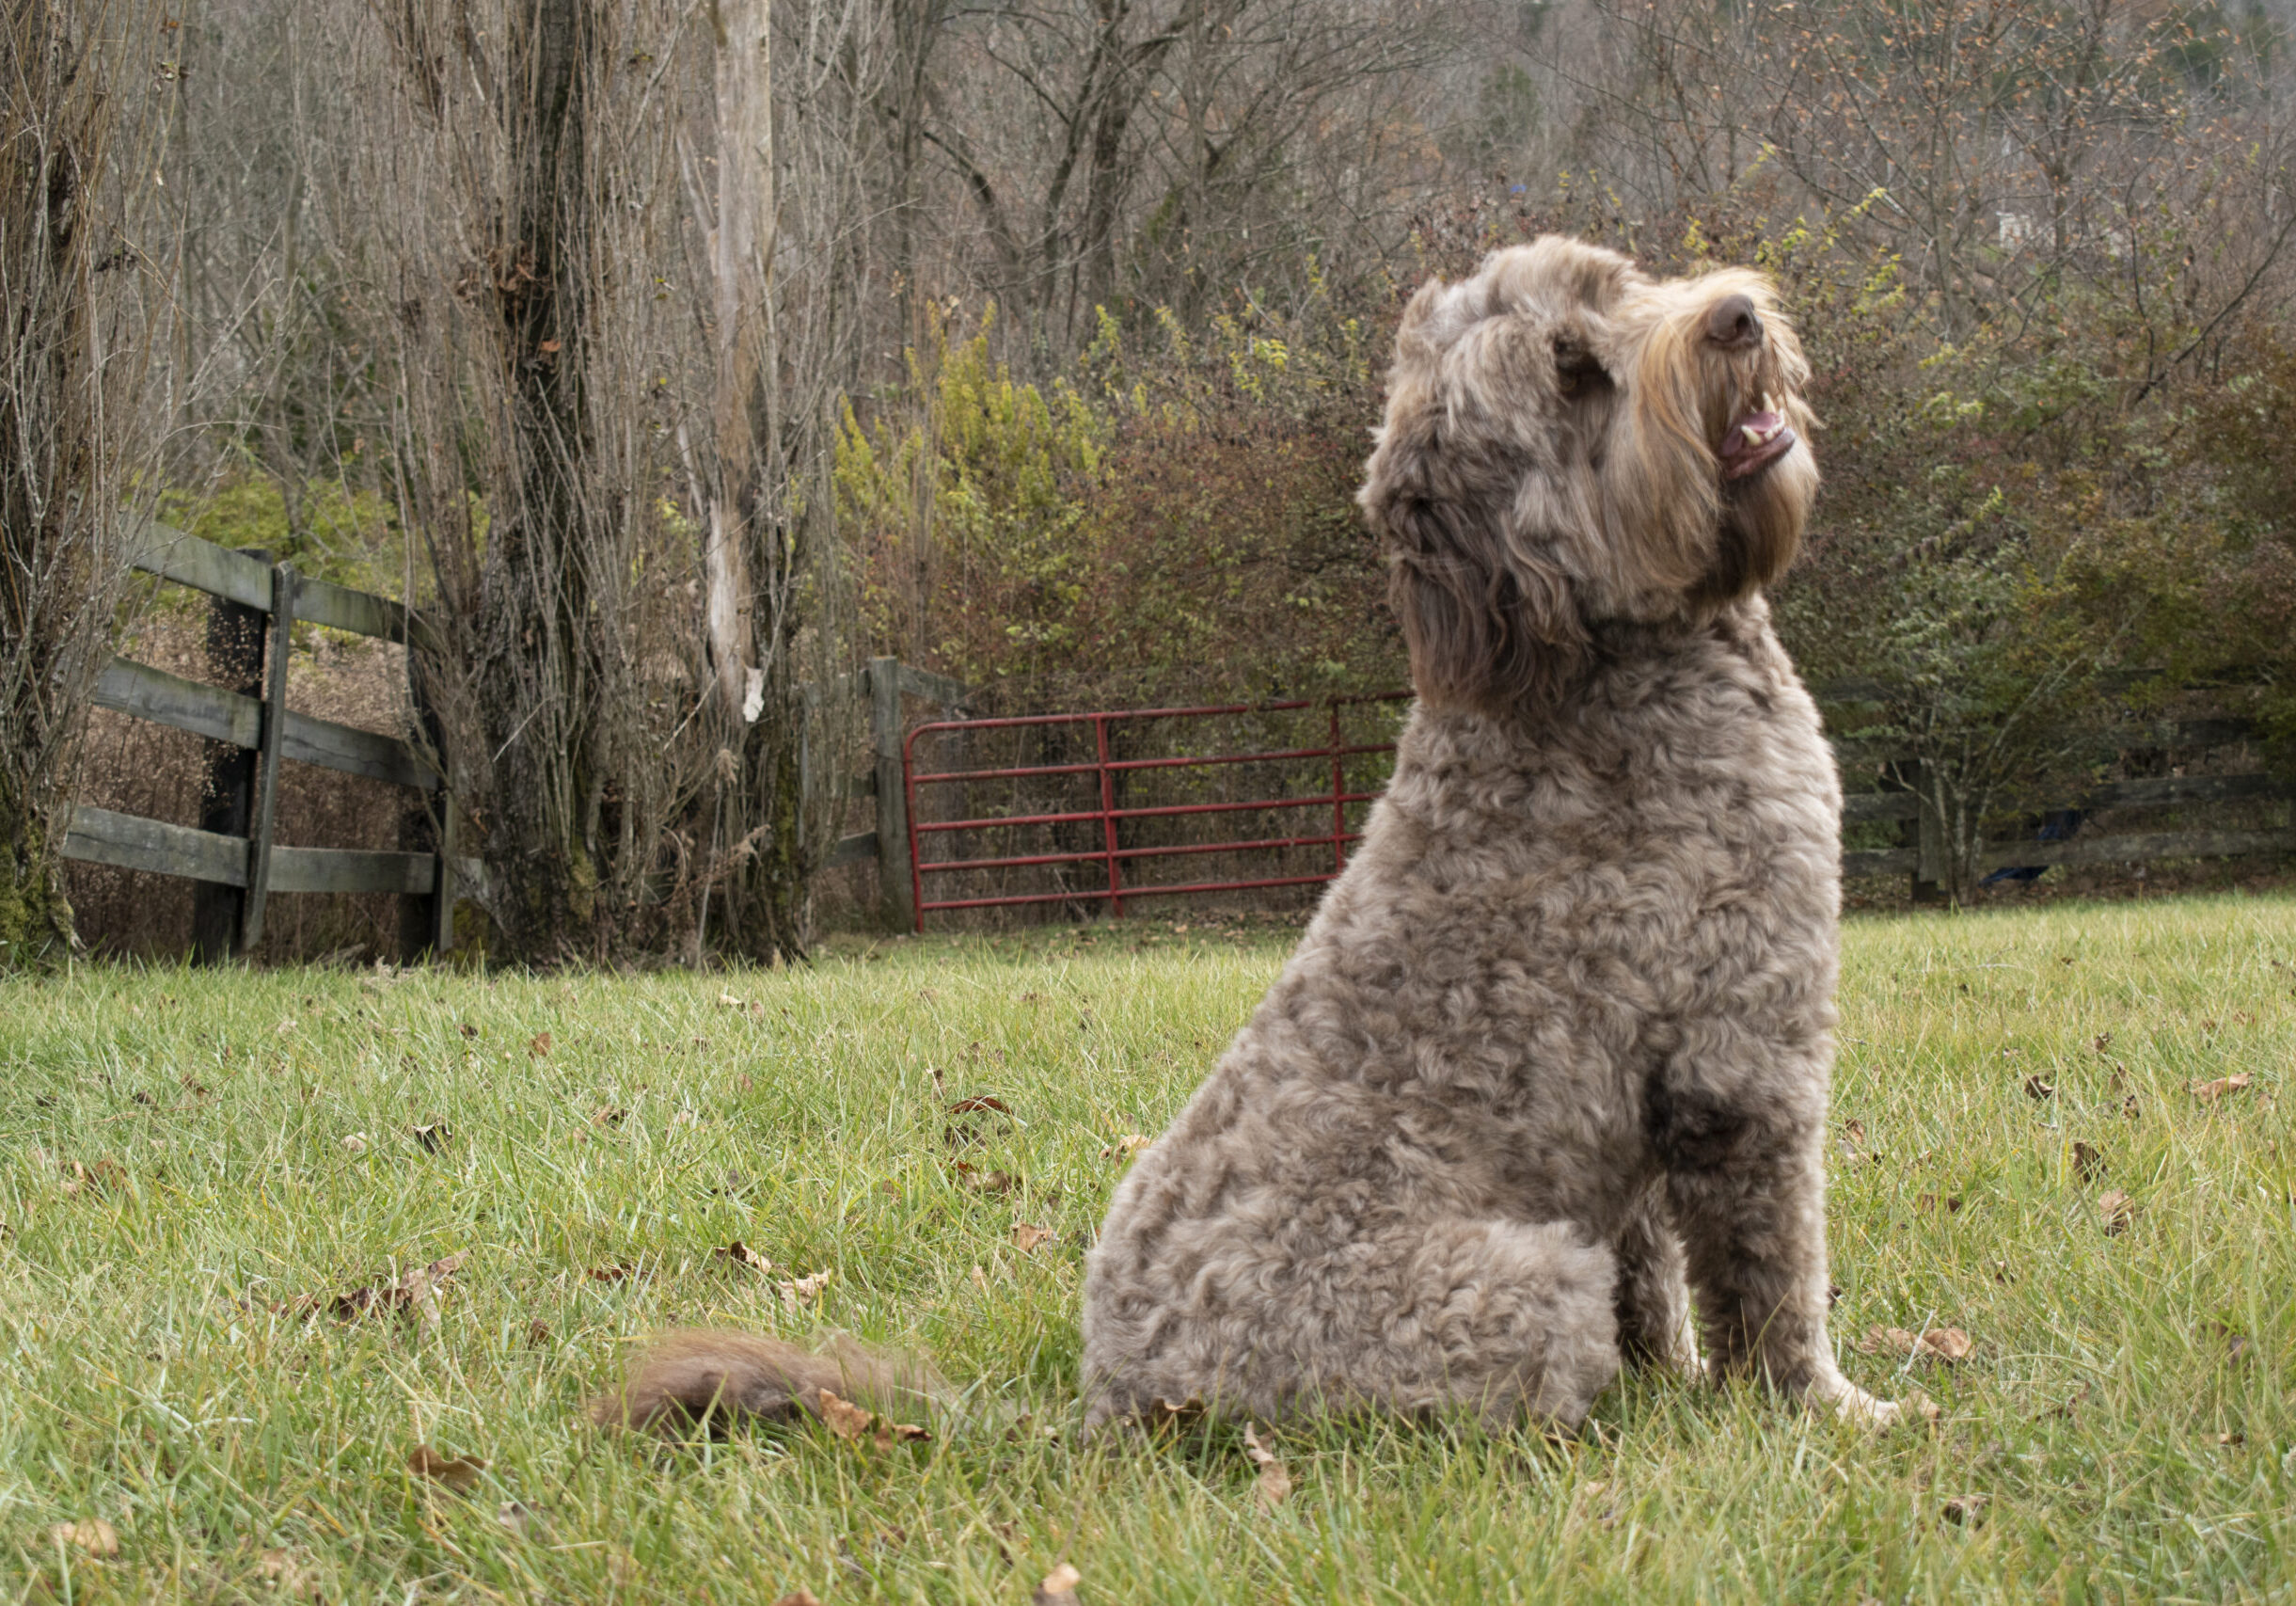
1578	372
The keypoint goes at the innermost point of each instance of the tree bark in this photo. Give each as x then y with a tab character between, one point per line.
535	648
56	515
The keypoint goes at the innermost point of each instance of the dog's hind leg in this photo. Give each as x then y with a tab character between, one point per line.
1653	1295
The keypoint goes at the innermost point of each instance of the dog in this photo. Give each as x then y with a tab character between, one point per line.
1554	1048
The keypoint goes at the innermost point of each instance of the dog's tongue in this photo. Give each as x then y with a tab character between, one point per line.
1750	433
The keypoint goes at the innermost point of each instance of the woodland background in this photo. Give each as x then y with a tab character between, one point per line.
680	354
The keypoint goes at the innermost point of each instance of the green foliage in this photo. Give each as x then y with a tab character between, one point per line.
1175	516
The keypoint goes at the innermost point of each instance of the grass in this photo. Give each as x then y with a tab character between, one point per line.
158	1378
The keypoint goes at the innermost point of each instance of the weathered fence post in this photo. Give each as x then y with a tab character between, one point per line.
267	773
235	656
426	925
896	893
1929	876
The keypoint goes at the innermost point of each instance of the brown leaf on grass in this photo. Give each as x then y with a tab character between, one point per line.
844	1419
857	1425
1274	1485
610	1117
2102	1042
798	1598
2235	1343
1968	1510
616	1271
283	1572
2088	1162
434	1138
2231	1440
729	1001
2002	1274
1949	1345
1173	1413
539	1044
516	1516
971	1176
739	1253
468	1030
983	1103
2209	1092
355	1144
420	1293
538	1333
2131	1109
2116	1209
92	1535
1026	1235
798	1292
1927	1203
1058	1588
2036	1087
1130	1143
458	1473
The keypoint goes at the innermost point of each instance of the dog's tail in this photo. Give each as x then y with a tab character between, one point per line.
703	1377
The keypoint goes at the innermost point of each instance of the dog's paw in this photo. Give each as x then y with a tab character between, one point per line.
1881	1416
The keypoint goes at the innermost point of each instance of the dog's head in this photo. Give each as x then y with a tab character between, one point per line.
1568	441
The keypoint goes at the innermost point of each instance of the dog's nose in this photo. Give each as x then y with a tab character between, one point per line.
1732	324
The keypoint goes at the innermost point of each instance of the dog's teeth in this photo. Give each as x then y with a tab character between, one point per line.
1753	436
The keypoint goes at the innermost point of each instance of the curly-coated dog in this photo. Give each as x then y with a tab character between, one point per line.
1555	1050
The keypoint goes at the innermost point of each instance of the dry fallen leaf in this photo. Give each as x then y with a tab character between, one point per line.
2236	1344
1058	1588
1130	1143
419	1294
800	1291
93	1535
609	1118
434	1138
857	1425
1949	1344
2088	1163
355	1144
844	1419
458	1473
1274	1485
798	1598
284	1573
2118	1210
2036	1087
2209	1092
1026	1235
614	1271
1927	1203
514	1515
2232	1441
739	1253
1967	1509
468	1030
733	1003
539	1044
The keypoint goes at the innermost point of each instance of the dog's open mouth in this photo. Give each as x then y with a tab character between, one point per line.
1755	441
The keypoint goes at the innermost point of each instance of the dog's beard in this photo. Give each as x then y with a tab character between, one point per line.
1759	528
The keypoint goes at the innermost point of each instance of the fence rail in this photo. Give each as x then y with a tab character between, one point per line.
250	730
1921	853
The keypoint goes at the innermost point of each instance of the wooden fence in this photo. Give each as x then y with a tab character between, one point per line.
1923	848
250	730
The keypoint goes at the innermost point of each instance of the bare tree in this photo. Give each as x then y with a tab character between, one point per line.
72	276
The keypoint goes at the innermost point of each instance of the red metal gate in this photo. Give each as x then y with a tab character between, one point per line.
1106	769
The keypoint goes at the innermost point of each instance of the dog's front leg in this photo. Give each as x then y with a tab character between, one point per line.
1746	1189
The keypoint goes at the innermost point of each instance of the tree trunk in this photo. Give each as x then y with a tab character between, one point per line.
57	531
536	652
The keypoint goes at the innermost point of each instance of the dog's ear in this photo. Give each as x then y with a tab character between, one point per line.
1489	626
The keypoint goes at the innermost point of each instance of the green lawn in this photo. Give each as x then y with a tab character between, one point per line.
178	1172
